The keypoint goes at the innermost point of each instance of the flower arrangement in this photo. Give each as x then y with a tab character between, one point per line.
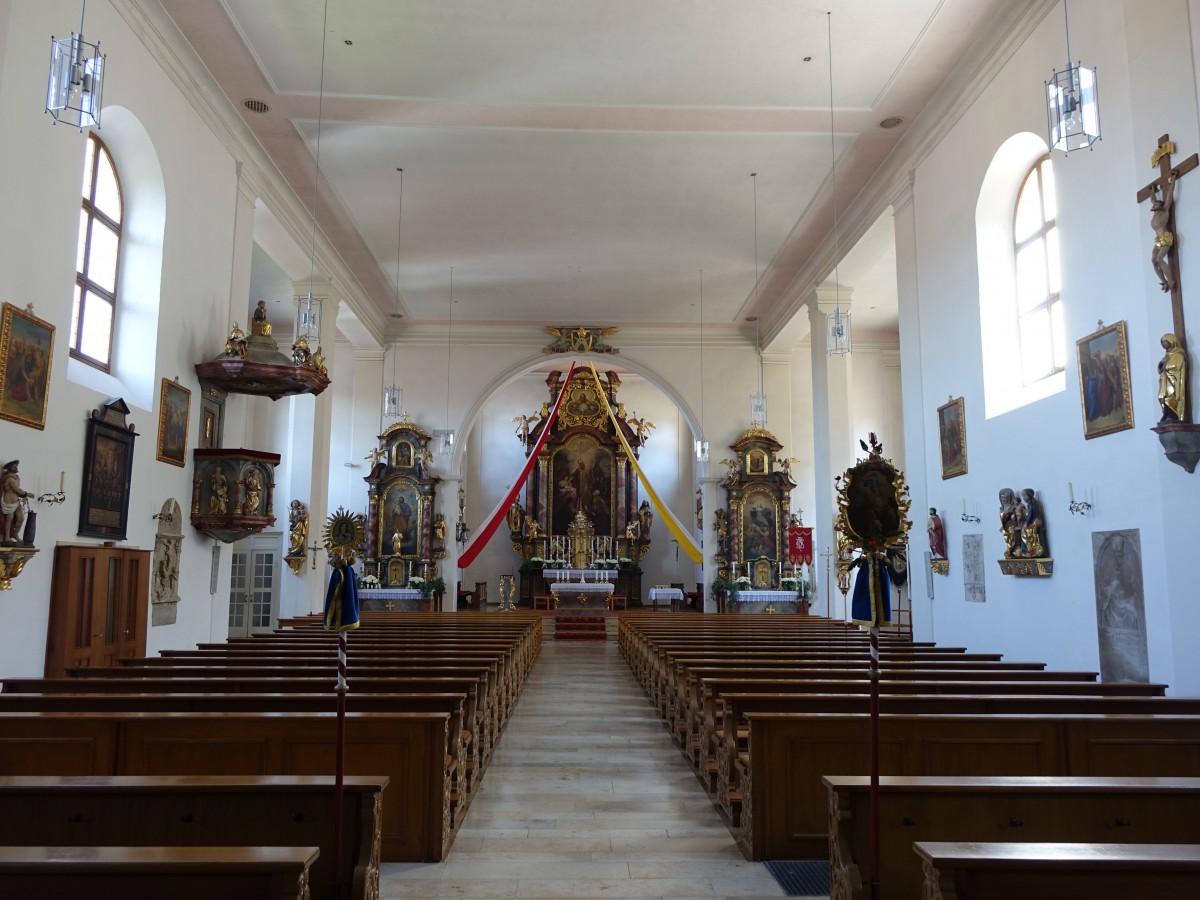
368	581
427	586
800	585
607	563
730	588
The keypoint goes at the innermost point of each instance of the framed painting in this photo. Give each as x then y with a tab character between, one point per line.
402	518
26	350
952	438
174	407
1104	381
581	480
107	473
759	527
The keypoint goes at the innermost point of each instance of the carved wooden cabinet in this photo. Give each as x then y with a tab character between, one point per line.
98	607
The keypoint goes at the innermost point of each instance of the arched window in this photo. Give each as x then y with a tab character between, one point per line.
94	313
1038	276
1021	331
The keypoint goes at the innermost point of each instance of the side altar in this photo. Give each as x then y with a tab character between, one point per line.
581	507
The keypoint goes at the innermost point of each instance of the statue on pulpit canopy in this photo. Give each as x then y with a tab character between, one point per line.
259	323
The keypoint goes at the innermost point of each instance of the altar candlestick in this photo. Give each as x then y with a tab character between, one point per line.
1070	491
63	475
964	506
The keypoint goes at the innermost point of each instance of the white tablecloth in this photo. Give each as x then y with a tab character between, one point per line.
766	596
576	575
570	588
389	594
657	594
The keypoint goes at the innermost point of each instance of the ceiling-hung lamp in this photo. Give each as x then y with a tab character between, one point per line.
837	323
308	309
75	86
447	442
1072	104
758	401
702	445
393	395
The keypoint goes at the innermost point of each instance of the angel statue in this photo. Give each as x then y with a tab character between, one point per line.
641	427
523	423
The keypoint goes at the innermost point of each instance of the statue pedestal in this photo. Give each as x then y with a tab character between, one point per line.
1180	442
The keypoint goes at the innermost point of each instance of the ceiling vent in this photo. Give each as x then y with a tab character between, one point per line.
256	106
890	121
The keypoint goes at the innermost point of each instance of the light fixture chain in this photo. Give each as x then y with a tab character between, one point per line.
312	257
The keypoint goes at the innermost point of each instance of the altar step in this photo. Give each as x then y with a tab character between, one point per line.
579	628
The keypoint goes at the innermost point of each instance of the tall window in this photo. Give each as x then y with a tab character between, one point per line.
94	312
1038	276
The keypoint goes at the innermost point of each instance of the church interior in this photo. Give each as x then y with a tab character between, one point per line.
663	317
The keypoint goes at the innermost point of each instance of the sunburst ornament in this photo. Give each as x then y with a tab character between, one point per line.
344	534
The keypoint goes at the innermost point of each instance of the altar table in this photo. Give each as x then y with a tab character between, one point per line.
587	595
578	575
767	602
390	599
673	595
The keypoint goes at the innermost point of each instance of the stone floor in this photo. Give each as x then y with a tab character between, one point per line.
586	797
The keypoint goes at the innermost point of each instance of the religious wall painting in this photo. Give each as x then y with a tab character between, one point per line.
1120	605
174	408
402	455
1105	395
401	515
756	462
974	588
581	472
107	473
26	351
952	438
759	526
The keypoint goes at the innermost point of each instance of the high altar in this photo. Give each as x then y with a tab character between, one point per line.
581	509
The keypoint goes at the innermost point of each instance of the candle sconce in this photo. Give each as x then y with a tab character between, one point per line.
54	497
967	517
1079	506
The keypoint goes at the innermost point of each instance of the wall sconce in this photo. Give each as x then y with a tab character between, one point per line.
966	517
165	516
57	497
1074	506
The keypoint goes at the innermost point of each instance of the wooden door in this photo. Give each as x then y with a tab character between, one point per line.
99	601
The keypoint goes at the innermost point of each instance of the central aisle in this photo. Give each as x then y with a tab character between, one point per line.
586	797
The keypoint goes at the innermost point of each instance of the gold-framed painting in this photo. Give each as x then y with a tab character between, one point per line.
26	352
174	409
952	437
1104	392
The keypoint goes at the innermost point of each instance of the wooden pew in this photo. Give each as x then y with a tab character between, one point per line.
200	811
151	873
1031	809
407	748
957	871
785	806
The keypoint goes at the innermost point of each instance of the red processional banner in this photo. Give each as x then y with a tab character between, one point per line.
800	544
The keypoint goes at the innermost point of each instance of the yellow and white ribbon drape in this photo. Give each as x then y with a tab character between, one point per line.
686	544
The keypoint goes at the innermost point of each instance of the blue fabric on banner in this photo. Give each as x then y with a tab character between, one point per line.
872	601
341	599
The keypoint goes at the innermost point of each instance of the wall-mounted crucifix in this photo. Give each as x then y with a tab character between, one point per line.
1180	438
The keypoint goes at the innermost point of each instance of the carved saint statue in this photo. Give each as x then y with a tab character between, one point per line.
298	525
259	323
235	344
13	501
1033	528
439	530
1010	523
645	520
219	501
1172	380
253	486
937	534
516	517
1164	239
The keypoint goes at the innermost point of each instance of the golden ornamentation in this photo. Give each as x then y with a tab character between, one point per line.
1160	151
940	566
12	563
344	533
406	424
1027	568
580	339
508	590
756	432
582	406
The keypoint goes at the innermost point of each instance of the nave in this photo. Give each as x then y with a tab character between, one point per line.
586	796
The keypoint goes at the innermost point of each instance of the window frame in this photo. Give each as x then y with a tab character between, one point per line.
1052	298
84	285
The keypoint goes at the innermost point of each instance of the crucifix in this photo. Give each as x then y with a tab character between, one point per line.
1161	192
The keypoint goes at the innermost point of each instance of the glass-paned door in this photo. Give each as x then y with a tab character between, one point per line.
254	585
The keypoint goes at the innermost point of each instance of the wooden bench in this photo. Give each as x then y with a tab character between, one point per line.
785	806
406	748
1058	871
152	873
934	808
200	811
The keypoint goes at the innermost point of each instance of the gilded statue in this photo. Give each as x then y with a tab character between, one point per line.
516	517
301	355
439	530
1033	528
318	362
523	423
535	530
298	528
631	529
219	501
13	501
253	485
397	542
235	344
259	323
1172	380
1011	518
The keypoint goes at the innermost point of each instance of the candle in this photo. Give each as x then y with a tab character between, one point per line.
964	506
1071	491
63	475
